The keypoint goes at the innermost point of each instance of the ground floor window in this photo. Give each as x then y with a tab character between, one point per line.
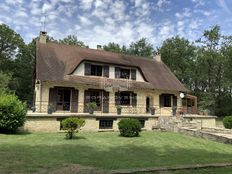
142	122
166	100
106	124
63	99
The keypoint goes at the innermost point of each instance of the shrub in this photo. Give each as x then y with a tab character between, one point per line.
71	125
129	127
227	122
12	113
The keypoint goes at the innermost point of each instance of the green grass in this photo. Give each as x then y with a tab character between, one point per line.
28	153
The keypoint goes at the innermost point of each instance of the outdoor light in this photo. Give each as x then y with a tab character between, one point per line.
182	95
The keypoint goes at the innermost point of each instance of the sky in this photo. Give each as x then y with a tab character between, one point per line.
98	22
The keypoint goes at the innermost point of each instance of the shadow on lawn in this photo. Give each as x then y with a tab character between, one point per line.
27	157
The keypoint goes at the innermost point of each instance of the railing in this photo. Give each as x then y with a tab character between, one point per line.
139	109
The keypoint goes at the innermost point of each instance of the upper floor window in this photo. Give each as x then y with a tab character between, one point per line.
125	73
96	70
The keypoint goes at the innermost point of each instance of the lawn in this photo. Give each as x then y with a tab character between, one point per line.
43	152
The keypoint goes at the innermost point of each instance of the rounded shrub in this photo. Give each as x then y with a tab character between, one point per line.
12	113
129	127
227	122
71	125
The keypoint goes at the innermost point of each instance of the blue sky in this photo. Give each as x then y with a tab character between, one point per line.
102	21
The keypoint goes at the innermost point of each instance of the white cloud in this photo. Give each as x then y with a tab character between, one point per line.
21	14
86	4
186	13
162	3
46	7
85	21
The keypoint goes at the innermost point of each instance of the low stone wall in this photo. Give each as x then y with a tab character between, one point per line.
52	123
217	130
206	135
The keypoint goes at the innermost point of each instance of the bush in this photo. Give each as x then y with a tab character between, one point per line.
71	125
129	127
12	113
227	122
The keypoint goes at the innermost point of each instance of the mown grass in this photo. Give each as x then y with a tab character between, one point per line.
35	152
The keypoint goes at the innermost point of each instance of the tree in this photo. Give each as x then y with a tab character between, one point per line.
72	40
179	55
141	48
4	81
113	47
71	125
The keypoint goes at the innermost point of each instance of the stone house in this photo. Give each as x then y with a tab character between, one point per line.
67	78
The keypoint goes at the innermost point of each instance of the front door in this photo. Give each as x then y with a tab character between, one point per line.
147	104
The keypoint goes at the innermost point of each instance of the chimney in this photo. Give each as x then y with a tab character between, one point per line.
99	47
43	37
157	57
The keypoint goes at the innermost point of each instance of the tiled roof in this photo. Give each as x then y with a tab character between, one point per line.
56	62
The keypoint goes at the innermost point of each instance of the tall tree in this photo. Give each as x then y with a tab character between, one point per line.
179	55
141	48
72	40
113	47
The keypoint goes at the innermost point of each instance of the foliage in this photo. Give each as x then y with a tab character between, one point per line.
129	127
227	122
72	40
4	81
141	48
12	113
71	125
113	47
91	105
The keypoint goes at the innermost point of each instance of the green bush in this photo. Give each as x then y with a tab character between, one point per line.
129	127
71	125
12	113
227	122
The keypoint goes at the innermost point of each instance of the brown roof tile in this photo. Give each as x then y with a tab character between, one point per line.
56	62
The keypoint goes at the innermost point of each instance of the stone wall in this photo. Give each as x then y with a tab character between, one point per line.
52	124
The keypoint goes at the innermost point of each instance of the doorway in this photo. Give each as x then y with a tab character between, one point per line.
147	105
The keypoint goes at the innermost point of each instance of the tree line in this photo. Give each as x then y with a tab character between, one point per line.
203	66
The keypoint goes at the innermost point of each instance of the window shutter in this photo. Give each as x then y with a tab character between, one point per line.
117	72
174	101
105	71
74	101
117	98
134	99
87	69
53	97
86	100
133	74
105	102
161	98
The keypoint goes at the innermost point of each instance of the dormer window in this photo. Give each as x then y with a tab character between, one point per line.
125	73
92	69
96	70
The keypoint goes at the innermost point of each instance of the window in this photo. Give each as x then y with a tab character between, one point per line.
124	73
167	100
95	97
63	99
106	124
142	122
96	70
125	98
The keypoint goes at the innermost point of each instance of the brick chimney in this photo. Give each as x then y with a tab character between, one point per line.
99	47
43	37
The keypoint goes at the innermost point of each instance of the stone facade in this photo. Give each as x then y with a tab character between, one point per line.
52	123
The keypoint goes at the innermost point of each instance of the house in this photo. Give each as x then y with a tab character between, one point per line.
67	78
